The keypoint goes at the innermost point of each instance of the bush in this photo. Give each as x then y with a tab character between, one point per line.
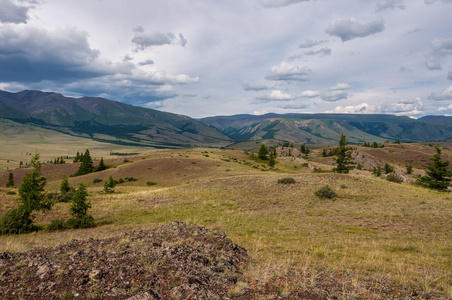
11	193
97	180
15	221
326	192
56	224
393	177
377	171
388	168
109	185
86	221
287	180
151	183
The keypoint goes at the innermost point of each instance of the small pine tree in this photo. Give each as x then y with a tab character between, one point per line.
64	187
271	161
77	157
344	158
438	176
109	185
10	183
86	165
263	152
79	210
101	166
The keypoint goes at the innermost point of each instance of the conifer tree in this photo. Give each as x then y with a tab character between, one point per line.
271	161
10	182
79	210
65	187
109	185
344	160
101	166
86	165
438	176
263	151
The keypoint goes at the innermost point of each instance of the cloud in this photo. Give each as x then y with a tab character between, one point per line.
146	62
33	54
309	94
428	2
293	105
402	107
350	29
13	13
390	4
280	3
445	94
310	43
321	52
143	40
441	109
275	95
254	87
449	75
441	48
286	72
340	87
404	69
334	96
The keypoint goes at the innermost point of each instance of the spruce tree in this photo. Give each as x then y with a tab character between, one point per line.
101	166
263	151
10	183
86	165
109	185
79	210
438	176
344	160
271	161
64	187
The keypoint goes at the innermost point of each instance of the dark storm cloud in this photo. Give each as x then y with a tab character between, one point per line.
350	29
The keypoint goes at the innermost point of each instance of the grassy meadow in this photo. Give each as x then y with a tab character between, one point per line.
377	238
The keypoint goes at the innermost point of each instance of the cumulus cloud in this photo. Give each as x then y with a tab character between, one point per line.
390	4
428	2
350	29
275	95
441	48
310	43
334	96
321	52
340	87
445	94
146	62
287	72
402	107
442	109
280	3
254	87
293	105
11	12
143	40
309	94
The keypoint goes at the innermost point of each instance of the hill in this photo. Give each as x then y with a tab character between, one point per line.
107	121
376	240
327	128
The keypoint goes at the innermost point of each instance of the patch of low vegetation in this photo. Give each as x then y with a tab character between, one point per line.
286	180
394	177
326	192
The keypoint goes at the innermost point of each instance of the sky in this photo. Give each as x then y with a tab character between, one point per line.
207	57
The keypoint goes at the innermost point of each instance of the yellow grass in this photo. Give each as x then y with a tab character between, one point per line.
375	229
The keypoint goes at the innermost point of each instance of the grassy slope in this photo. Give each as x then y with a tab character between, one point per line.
16	140
375	232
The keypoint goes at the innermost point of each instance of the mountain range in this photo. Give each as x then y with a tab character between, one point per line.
115	122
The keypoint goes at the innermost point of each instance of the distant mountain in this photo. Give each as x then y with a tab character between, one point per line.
327	128
106	120
436	119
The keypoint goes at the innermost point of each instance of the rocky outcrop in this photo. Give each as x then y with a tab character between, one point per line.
175	261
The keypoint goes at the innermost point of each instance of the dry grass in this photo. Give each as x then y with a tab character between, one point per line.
374	232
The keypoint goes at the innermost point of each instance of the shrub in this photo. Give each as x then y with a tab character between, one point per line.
97	180
56	224
393	177
151	183
10	183
15	221
109	185
388	168
86	221
286	180
326	192
377	171
409	169
10	193
128	179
